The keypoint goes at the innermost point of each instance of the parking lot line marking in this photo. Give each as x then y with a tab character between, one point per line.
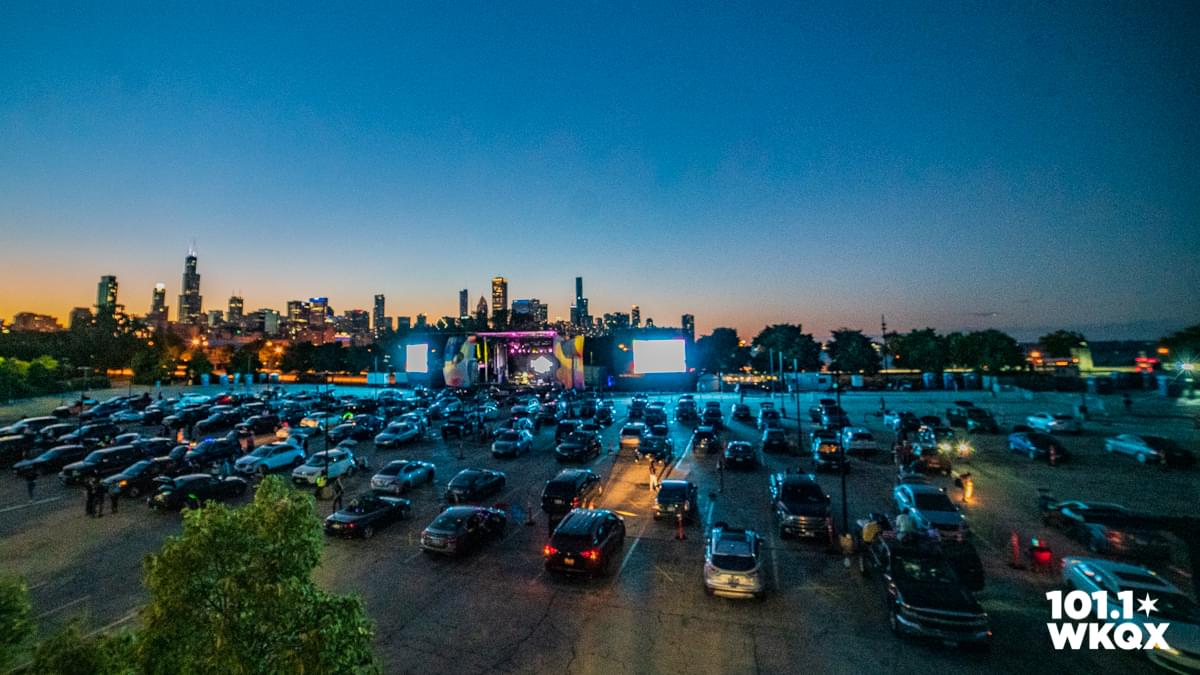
1180	571
47	500
132	613
670	579
60	608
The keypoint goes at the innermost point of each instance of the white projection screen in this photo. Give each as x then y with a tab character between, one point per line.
658	356
416	358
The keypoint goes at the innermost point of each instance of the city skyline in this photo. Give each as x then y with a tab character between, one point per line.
821	167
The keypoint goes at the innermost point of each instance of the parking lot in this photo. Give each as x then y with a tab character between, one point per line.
496	609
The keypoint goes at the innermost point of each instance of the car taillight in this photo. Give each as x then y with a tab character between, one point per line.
549	550
350	526
575	501
591	554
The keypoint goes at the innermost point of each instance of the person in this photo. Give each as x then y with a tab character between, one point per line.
654	482
31	483
906	527
91	499
114	495
160	395
721	472
338	489
98	495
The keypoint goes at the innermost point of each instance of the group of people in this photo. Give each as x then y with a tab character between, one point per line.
94	492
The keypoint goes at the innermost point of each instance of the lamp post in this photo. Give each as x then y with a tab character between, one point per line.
82	386
837	388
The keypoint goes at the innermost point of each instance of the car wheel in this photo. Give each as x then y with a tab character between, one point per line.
1141	458
134	492
368	532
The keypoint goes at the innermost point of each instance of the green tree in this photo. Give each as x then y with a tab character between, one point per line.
853	352
70	651
1061	342
1183	345
922	350
790	340
299	358
16	619
152	364
234	594
721	351
989	350
246	358
199	364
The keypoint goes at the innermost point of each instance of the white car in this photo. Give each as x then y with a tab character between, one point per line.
332	463
733	563
272	457
930	508
858	440
1054	423
396	434
124	416
1173	606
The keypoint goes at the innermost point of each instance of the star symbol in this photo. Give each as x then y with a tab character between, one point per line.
1147	604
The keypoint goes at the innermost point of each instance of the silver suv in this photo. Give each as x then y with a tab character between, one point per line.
733	563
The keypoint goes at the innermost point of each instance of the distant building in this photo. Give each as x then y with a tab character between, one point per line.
319	313
403	324
236	309
464	310
688	324
499	302
522	313
297	317
541	312
422	321
158	304
79	317
215	318
35	323
358	322
579	311
380	322
481	311
190	300
616	321
265	321
106	295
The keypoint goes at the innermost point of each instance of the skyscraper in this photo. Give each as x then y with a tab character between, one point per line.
541	312
236	309
319	313
635	316
499	302
106	295
481	312
158	303
463	305
377	318
579	312
689	326
190	300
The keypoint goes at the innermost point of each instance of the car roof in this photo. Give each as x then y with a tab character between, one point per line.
581	521
675	482
1120	572
571	475
925	488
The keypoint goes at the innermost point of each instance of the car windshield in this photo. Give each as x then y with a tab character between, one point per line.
576	437
631	431
805	493
510	436
321	458
391	469
395	427
934	501
1063	418
862	436
94	457
927	570
978	414
137	468
262	451
448	523
733	563
672	492
1176	607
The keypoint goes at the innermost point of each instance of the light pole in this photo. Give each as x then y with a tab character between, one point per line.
837	388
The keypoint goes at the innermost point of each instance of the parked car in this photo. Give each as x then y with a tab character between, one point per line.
99	463
397	434
858	440
677	497
268	458
631	435
458	425
51	460
213	451
51	435
1054	423
512	443
775	440
472	485
768	418
219	422
740	455
1154	449
29	426
659	447
827	452
1109	528
1172	606
705	440
800	506
713	417
930	508
685	411
400	476
365	514
265	423
460	529
570	489
331	463
139	478
194	491
579	446
563	428
1037	445
585	541
358	428
603	416
92	435
741	412
734	563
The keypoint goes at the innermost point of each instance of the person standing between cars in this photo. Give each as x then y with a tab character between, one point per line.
91	499
31	483
114	495
98	495
338	490
906	528
653	474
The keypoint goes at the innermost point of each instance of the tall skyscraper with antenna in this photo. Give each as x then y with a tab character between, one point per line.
190	301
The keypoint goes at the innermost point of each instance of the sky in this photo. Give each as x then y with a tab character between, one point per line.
1026	165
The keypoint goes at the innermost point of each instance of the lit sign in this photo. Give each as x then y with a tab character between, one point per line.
417	358
658	356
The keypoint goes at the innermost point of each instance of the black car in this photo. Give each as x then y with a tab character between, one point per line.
740	455
660	448
471	485
157	447
586	542
184	418
564	428
194	490
1109	528
923	594
677	497
359	428
705	440
775	439
14	448
603	416
800	506
365	514
713	418
49	436
579	446
92	435
1037	445
741	412
264	423
570	489
457	425
213	451
139	478
462	528
51	460
30	426
100	463
216	423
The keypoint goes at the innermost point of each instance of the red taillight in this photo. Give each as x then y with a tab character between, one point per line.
350	525
575	502
549	550
591	554
1042	556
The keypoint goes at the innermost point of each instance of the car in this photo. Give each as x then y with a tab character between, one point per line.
769	417
586	541
92	435
548	414
1154	449
331	464
460	529
827	453
662	449
51	460
397	434
741	412
194	491
1104	527
50	435
139	478
713	417
99	463
128	416
215	423
458	425
891	418
472	485
981	421
579	446
740	455
1054	423
212	451
563	428
29	426
512	443
833	417
358	428
603	416
924	596
858	440
705	440
685	411
1172	606
677	498
774	439
270	457
570	489
158	447
932	421
1037	445
734	563
931	509
655	414
632	435
936	447
399	476
801	507
365	514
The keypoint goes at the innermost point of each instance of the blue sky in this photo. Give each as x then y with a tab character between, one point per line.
1018	166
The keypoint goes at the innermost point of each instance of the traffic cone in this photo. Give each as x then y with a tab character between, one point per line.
679	533
1015	543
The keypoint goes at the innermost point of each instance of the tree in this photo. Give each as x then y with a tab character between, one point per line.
1184	344
198	365
989	350
16	619
790	340
853	352
922	350
246	359
1061	342
721	351
234	594
298	358
70	651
